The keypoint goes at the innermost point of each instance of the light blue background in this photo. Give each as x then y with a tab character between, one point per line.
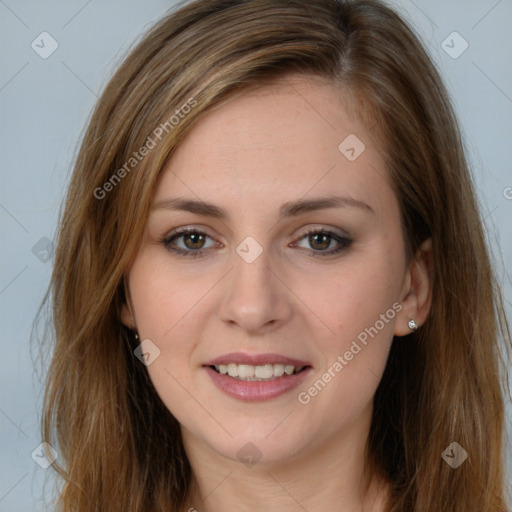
46	102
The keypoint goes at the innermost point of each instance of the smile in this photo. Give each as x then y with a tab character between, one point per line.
256	377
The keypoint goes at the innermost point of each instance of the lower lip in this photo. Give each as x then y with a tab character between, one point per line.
256	391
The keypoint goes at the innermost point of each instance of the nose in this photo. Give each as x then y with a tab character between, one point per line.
256	298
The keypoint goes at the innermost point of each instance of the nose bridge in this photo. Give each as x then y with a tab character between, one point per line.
255	297
252	276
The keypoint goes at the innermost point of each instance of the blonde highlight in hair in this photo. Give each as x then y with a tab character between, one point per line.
120	446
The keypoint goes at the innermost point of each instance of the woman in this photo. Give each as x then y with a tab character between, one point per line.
271	278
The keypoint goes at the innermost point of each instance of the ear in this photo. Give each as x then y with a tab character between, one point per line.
127	317
416	293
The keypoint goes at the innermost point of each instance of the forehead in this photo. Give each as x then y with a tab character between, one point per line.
284	139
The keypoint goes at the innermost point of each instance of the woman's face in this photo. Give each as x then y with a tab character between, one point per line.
294	257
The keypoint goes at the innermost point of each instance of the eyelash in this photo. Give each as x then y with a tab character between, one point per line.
343	241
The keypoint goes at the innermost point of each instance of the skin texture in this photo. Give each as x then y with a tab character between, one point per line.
251	155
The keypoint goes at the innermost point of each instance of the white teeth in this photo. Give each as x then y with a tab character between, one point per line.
278	370
264	372
233	370
250	372
288	369
245	371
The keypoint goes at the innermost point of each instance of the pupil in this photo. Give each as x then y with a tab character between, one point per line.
320	239
195	238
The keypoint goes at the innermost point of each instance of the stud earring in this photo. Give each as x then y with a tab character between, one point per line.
413	325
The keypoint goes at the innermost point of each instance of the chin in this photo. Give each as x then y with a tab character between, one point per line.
262	442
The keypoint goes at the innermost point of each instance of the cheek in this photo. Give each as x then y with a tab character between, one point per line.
167	309
355	295
163	297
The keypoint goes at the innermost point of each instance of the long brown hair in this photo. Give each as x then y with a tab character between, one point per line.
120	448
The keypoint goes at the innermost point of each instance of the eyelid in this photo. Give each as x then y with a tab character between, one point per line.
315	228
343	241
190	228
183	230
303	231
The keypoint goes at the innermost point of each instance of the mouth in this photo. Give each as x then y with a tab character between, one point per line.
252	378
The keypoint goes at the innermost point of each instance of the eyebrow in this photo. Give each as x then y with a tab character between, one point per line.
289	209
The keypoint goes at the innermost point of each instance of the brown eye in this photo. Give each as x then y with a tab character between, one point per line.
323	243
189	242
319	241
194	240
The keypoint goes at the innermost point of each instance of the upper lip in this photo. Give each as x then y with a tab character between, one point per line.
255	359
